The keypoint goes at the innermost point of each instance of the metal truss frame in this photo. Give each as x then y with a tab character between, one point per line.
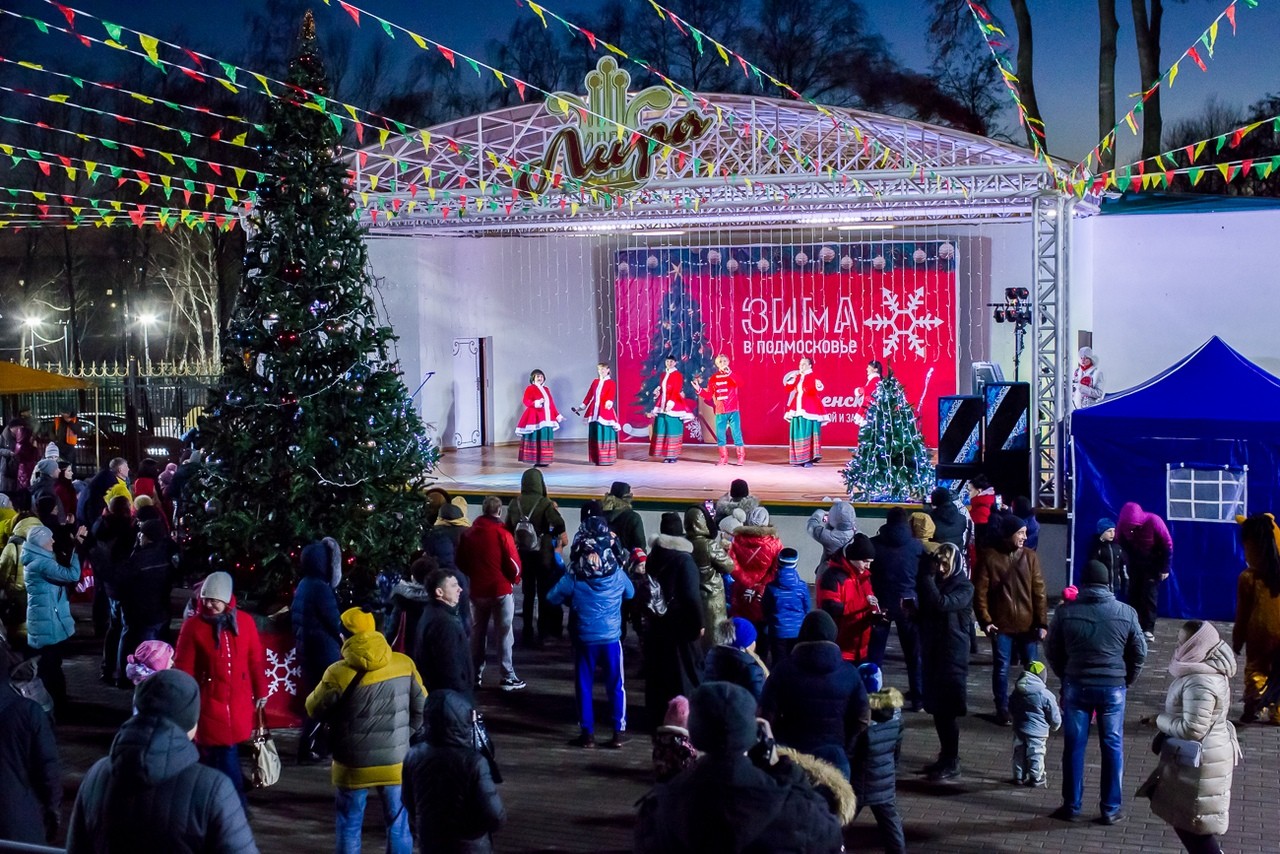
1051	231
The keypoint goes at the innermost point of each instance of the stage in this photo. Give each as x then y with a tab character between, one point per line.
696	477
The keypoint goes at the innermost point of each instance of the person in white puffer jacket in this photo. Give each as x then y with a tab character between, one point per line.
1196	801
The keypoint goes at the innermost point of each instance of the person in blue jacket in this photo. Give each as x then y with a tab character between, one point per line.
49	622
317	628
786	601
594	589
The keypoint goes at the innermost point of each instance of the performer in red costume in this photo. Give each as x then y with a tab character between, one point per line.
721	394
875	370
670	412
600	408
805	413
538	422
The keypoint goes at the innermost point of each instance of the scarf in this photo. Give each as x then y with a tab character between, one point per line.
224	622
1193	655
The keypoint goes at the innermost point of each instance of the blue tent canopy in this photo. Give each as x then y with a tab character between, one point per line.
1195	444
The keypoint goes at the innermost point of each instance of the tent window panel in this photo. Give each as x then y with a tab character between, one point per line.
1206	495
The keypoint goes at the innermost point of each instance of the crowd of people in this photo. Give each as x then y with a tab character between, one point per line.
774	714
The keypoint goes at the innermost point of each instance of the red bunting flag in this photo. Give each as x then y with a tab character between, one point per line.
448	54
519	87
1195	56
69	14
1231	16
352	11
591	37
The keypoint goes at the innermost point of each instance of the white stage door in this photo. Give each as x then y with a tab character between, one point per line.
468	396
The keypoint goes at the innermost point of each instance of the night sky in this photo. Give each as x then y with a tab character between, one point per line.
1245	67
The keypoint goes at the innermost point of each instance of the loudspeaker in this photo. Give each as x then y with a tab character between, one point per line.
1008	410
960	429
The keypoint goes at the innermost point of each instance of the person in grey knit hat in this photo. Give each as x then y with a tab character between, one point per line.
175	804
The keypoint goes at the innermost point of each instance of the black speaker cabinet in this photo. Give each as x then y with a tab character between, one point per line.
1008	413
960	429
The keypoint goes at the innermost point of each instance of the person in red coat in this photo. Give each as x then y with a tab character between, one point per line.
670	412
754	551
600	409
805	413
866	394
982	500
538	422
220	648
487	554
844	592
721	394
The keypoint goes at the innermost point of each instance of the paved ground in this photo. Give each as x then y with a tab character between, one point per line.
563	799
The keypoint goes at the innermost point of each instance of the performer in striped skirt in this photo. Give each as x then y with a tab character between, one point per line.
670	412
805	413
600	408
538	422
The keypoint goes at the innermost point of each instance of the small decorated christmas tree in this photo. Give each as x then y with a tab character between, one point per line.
310	432
681	334
891	462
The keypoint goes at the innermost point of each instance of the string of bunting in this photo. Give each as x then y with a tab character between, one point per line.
46	161
113	209
991	28
1206	40
749	69
1191	151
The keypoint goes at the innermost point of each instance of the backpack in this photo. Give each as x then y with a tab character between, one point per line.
526	535
654	600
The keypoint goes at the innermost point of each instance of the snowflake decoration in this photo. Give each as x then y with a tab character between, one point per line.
903	323
282	672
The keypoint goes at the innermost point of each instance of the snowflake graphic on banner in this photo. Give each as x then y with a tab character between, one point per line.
902	324
282	672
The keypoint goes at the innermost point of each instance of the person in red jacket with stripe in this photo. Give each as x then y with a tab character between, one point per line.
844	592
721	394
220	648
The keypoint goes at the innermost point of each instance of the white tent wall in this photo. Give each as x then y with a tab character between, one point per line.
535	297
1162	284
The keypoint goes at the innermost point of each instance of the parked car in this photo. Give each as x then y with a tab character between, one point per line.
163	449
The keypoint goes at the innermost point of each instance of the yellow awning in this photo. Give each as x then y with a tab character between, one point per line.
15	379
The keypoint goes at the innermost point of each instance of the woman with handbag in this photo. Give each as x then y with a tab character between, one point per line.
1191	787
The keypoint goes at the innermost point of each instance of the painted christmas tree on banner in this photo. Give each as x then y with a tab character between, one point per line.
680	334
891	462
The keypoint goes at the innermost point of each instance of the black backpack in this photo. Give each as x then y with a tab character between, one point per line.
526	534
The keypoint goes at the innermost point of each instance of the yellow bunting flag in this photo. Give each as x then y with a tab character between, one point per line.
418	40
1173	74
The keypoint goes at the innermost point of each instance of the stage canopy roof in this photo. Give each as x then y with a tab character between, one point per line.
16	379
681	162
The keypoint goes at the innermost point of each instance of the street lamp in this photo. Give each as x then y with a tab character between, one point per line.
30	323
146	320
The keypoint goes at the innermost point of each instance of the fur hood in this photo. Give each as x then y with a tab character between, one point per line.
410	591
887	699
755	531
611	503
667	541
828	781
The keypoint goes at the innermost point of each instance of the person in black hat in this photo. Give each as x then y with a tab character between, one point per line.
738	497
30	779
144	584
724	802
1010	603
623	520
893	575
174	803
944	617
786	602
672	654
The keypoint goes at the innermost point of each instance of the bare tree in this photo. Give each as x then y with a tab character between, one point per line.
186	265
1026	75
1108	27
1146	30
964	70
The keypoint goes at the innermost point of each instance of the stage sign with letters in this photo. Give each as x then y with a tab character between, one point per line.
765	307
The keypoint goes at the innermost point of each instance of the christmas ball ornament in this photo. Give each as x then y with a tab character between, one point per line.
323	191
801	259
763	265
623	268
878	262
713	256
946	252
826	255
731	265
651	262
919	256
287	340
291	272
846	263
213	507
335	263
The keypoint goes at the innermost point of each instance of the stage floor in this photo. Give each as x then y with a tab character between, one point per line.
495	470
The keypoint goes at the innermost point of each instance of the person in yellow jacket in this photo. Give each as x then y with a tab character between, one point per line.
375	700
1257	626
13	586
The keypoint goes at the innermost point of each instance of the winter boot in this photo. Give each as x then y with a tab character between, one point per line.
742	455
724	456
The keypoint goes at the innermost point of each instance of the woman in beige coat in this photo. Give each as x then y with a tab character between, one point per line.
1196	802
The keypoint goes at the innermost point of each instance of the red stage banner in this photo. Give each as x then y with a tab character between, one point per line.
841	305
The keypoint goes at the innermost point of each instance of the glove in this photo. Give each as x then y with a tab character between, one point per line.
537	404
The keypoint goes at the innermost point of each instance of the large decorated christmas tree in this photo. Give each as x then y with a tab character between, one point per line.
681	334
891	462
310	432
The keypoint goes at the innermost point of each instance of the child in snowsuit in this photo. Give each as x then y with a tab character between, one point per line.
672	750
873	763
1033	710
786	601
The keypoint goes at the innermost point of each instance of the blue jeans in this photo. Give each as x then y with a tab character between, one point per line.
1079	704
909	637
350	804
727	422
1003	647
226	760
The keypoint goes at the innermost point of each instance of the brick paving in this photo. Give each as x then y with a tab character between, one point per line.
564	799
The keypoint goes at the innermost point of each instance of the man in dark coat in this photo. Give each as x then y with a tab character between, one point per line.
442	650
440	541
110	543
949	524
731	659
946	597
724	802
30	780
893	577
671	652
116	471
814	699
317	628
623	520
537	563
449	793
144	585
174	804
